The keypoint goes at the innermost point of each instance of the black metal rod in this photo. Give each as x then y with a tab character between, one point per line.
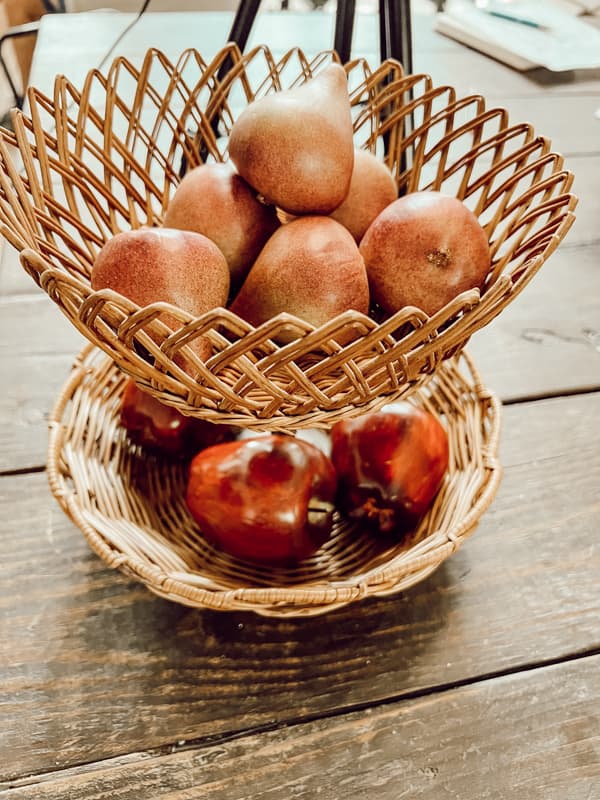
395	32
395	39
238	34
242	22
17	96
240	30
344	27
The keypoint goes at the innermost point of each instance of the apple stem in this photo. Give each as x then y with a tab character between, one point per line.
383	517
318	510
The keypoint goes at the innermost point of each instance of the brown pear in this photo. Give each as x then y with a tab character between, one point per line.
295	147
311	268
372	188
423	250
215	201
153	265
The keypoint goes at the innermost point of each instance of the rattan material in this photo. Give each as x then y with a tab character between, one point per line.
131	510
105	158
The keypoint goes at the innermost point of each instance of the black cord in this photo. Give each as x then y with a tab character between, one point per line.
124	33
7	123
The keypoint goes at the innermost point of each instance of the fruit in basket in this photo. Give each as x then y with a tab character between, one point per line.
310	267
372	188
152	265
390	466
215	201
295	146
269	499
423	250
163	429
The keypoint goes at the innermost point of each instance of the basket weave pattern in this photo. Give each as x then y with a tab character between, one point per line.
131	510
92	162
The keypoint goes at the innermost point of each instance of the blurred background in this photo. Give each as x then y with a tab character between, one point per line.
17	52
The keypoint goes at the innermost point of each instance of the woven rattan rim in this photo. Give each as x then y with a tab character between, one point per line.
143	528
91	161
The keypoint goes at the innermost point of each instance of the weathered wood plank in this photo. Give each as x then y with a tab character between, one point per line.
585	185
523	590
534	734
548	339
13	278
37	347
569	121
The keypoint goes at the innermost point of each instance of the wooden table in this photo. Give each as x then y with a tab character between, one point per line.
481	682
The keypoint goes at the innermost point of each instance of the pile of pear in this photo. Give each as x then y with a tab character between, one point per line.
297	220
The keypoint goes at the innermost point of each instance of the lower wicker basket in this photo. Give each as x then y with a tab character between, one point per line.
130	506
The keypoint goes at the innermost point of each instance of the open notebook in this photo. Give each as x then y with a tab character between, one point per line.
545	36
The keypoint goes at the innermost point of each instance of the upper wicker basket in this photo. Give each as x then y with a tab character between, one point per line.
91	162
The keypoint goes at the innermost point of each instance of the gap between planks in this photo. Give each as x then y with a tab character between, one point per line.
204	742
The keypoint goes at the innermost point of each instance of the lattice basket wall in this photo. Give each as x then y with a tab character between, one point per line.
88	163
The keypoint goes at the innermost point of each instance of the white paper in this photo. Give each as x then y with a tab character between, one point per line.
564	43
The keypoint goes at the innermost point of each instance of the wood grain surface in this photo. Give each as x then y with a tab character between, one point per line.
37	348
534	735
547	341
97	667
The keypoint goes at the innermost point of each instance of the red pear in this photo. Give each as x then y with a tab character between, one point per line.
295	147
311	268
213	200
153	265
372	188
423	250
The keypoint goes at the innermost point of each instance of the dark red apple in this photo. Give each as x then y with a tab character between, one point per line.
269	500
390	466
423	250
162	429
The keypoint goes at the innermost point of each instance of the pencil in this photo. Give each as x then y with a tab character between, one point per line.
531	23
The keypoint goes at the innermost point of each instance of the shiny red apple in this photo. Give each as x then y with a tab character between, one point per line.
390	466
269	499
163	429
